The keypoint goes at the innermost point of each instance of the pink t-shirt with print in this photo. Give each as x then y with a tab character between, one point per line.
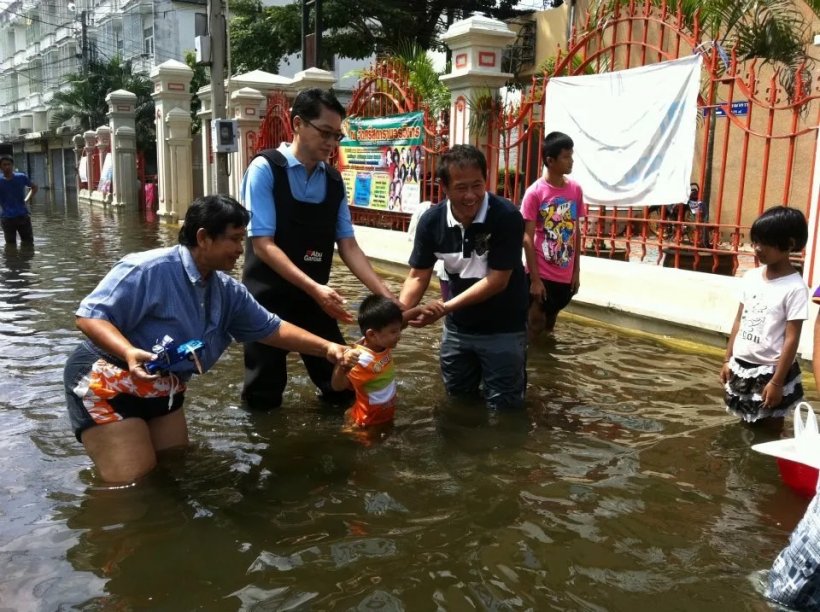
556	211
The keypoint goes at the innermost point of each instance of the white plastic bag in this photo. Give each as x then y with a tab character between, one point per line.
804	447
807	428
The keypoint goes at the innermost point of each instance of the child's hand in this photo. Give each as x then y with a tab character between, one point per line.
410	314
350	359
431	312
725	373
537	290
772	395
335	353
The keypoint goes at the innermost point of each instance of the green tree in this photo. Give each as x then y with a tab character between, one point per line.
262	35
422	75
198	80
359	28
84	101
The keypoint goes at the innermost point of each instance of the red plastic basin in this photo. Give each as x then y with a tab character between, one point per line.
801	478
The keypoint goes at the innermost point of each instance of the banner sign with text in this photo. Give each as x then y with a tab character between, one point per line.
633	130
381	161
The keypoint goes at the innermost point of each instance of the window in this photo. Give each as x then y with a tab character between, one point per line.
148	38
200	24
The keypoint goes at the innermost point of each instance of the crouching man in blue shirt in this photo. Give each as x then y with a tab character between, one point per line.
122	414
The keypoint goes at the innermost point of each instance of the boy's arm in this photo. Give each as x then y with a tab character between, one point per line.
339	380
536	286
32	191
576	271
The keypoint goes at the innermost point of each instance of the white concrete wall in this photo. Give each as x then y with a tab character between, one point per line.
186	28
694	305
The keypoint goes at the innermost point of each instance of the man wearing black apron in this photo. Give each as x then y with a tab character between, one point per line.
298	212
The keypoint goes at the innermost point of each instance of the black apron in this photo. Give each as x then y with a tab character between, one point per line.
306	233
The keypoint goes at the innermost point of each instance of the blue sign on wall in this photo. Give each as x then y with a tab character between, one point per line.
739	109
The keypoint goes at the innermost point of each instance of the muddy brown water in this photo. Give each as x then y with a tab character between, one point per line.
623	486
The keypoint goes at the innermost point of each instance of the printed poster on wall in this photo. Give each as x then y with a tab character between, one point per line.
381	161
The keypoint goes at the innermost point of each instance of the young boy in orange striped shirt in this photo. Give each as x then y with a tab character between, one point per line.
373	378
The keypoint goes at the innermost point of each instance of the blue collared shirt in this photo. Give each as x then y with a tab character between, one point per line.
13	194
256	194
156	293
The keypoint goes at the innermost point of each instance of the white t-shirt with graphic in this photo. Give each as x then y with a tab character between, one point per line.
767	305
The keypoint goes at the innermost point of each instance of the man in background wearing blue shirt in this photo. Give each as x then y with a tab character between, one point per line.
299	210
15	217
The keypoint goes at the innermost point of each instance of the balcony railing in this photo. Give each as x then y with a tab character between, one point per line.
62	33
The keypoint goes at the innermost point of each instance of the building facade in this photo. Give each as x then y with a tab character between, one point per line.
43	42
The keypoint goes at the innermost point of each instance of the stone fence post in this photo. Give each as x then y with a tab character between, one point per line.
79	144
103	148
121	113
92	173
247	104
204	114
476	44
172	80
178	141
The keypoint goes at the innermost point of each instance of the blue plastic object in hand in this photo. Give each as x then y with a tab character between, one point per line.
169	352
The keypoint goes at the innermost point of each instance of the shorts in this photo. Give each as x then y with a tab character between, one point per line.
558	296
99	392
17	225
742	392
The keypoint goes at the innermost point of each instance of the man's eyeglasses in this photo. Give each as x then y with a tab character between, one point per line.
326	134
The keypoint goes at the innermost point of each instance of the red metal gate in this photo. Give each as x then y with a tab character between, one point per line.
759	159
275	128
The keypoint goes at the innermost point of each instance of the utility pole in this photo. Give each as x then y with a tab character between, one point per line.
311	43
216	29
84	42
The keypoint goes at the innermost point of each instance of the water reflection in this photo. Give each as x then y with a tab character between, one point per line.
623	485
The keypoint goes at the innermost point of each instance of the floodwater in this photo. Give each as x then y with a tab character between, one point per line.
623	486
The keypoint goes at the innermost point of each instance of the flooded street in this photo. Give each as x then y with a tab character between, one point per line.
624	486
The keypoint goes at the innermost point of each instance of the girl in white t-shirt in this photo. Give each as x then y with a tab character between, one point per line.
760	373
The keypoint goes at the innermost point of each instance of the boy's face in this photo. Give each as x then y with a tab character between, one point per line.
385	338
561	164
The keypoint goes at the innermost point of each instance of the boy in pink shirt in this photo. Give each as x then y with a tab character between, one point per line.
552	208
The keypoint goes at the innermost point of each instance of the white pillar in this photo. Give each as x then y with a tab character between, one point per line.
103	148
121	113
811	268
204	114
246	104
79	144
312	77
178	150
172	80
89	146
476	44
